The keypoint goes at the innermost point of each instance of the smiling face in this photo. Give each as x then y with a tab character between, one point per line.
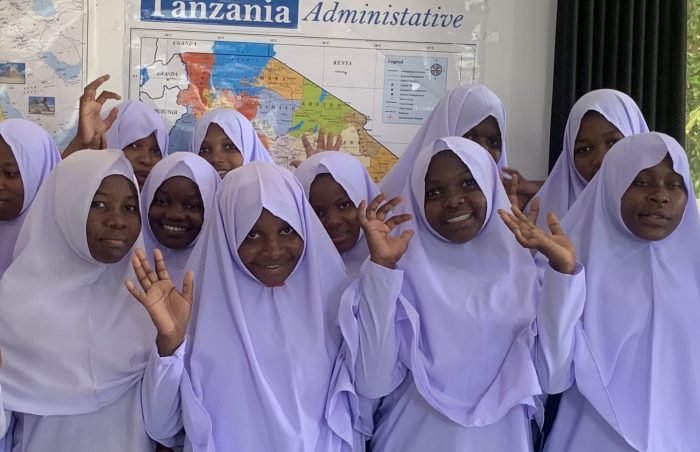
336	211
455	207
596	135
220	151
113	222
488	135
271	249
653	205
11	186
176	214
143	155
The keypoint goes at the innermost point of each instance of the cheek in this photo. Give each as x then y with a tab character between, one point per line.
235	159
296	248
432	213
134	227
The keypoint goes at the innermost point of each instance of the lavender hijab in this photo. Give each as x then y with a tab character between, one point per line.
238	129
349	172
137	120
636	354
456	114
36	155
196	169
73	339
465	311
564	184
261	359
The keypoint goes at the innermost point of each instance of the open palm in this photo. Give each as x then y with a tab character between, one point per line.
384	248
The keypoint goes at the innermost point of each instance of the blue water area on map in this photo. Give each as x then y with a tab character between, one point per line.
237	66
43	8
180	135
323	95
144	76
276	110
67	72
296	126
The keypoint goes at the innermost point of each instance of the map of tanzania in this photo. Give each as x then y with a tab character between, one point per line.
184	78
41	63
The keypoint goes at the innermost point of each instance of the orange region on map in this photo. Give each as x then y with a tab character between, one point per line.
281	79
199	66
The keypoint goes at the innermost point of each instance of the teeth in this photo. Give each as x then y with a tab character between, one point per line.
168	227
272	267
222	172
464	217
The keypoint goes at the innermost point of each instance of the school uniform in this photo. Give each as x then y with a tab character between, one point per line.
623	348
74	342
137	120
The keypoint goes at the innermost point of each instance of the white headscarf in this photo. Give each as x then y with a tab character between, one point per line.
350	174
636	353
36	155
457	113
73	339
266	388
137	120
196	169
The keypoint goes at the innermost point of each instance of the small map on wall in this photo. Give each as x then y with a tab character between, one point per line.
41	63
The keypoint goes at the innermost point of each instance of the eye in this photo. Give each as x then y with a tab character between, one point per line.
194	206
253	234
468	136
287	230
11	174
230	147
611	142
469	183
160	201
432	192
320	213
344	205
133	146
639	182
98	205
582	150
204	150
131	208
495	142
156	152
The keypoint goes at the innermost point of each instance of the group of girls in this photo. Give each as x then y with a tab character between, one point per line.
213	301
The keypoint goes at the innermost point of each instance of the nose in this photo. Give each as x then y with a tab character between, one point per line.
331	220
116	220
147	157
598	157
273	248
217	155
659	195
454	199
175	214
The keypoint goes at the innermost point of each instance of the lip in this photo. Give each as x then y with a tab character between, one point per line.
339	237
114	243
458	219
222	171
653	218
174	228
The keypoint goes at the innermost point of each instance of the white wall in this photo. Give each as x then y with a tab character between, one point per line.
518	62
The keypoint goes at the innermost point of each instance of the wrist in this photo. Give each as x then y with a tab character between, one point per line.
167	344
567	268
387	263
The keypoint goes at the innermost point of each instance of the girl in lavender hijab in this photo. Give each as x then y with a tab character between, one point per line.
179	199
622	343
227	140
74	343
469	111
269	286
336	183
27	155
596	122
442	328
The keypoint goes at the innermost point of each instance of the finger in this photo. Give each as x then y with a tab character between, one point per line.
140	272
371	212
308	148
534	210
407	235
111	117
188	286
388	206
397	220
338	143
134	291
161	269
106	95
511	187
509	220
321	140
91	88
102	142
295	163
361	213
521	216
150	274
553	223
511	171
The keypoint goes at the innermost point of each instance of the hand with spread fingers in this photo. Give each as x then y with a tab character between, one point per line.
384	249
169	308
91	126
555	246
323	143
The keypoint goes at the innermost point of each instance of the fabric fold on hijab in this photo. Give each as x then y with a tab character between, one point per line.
36	155
350	174
267	388
635	351
199	171
456	114
137	120
564	184
465	314
237	128
77	340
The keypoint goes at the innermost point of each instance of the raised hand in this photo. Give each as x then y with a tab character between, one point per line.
384	249
520	187
555	246
323	143
169	308
91	126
